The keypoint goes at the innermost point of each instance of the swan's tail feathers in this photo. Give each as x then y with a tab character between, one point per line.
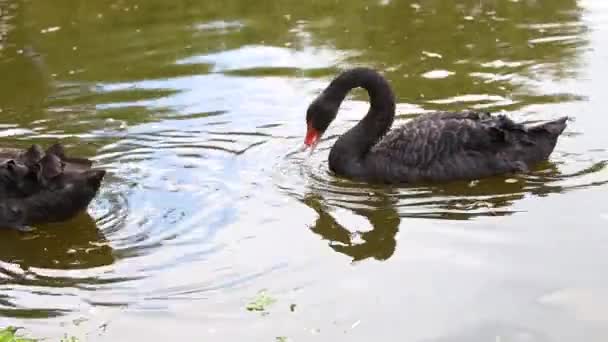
555	127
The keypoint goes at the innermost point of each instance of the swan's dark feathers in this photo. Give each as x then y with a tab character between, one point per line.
71	163
449	146
433	147
64	196
39	186
35	153
15	179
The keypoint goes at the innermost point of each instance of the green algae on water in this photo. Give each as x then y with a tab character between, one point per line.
260	302
8	335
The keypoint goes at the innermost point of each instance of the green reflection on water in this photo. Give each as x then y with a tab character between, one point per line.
69	67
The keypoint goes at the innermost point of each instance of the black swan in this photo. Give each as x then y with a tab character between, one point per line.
436	147
39	186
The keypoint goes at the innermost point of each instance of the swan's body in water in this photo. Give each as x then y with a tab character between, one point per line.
430	148
39	186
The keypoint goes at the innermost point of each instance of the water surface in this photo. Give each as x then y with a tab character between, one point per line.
196	109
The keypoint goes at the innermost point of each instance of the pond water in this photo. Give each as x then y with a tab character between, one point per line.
196	109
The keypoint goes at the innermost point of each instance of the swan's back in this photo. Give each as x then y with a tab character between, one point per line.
457	146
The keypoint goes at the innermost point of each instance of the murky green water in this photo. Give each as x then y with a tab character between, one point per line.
195	108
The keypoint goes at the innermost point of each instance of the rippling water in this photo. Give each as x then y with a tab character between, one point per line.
197	111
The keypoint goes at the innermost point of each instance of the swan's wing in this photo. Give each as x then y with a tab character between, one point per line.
439	136
448	146
35	153
72	163
464	115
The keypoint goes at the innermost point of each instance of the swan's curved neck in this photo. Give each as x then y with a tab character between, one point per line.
350	149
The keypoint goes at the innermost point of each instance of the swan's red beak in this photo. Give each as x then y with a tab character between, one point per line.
312	137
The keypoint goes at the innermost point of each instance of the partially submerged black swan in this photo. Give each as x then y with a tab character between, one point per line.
435	147
39	186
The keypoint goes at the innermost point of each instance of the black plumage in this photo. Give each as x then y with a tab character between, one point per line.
433	147
39	186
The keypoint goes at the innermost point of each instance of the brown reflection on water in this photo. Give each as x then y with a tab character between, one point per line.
378	243
74	244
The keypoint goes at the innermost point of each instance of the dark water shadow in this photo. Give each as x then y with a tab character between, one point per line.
378	243
74	244
40	263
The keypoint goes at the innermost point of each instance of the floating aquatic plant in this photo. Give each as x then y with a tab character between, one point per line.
8	335
260	302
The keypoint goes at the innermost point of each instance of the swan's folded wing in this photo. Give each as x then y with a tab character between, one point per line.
421	142
72	163
463	115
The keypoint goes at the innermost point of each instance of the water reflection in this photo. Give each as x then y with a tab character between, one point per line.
49	263
386	207
378	243
75	244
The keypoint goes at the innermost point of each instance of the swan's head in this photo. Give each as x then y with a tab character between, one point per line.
319	115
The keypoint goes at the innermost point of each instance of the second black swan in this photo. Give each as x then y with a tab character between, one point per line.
435	147
38	186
